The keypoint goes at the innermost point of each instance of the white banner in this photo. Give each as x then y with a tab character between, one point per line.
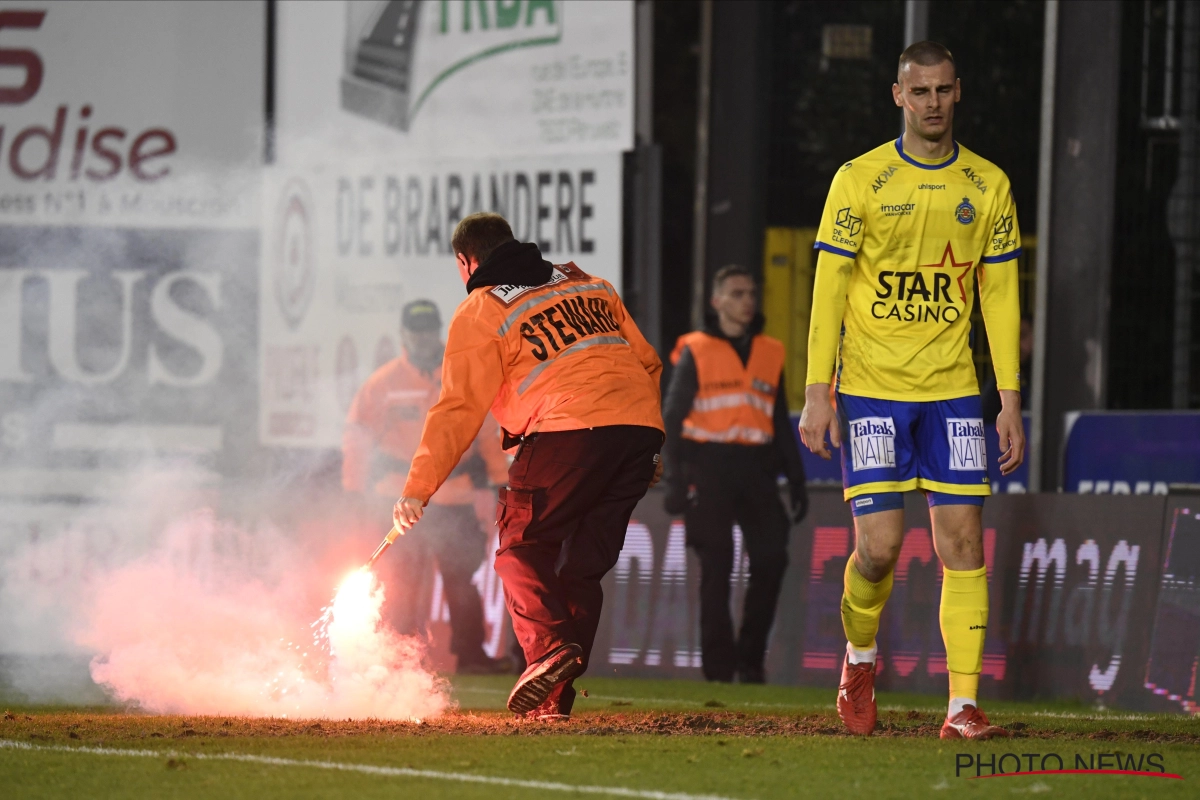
454	78
131	114
345	247
130	157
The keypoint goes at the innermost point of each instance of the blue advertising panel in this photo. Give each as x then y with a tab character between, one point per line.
1131	452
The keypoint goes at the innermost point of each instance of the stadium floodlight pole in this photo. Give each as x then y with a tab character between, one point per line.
700	206
1037	405
916	21
916	29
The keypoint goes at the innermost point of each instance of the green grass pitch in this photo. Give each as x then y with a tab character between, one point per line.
629	738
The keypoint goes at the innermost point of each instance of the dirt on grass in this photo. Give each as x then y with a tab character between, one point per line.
116	728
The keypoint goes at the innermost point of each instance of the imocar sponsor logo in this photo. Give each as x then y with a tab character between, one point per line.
897	209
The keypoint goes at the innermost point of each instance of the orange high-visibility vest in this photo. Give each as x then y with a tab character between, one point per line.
386	419
734	403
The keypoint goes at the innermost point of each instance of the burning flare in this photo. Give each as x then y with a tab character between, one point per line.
178	638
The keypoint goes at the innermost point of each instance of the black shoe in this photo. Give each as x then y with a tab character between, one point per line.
752	675
556	707
485	666
539	680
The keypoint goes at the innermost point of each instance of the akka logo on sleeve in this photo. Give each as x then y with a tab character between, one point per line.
966	444
873	442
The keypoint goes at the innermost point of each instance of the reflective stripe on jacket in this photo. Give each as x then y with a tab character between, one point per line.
734	403
561	356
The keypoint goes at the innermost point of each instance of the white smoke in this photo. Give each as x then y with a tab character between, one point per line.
207	617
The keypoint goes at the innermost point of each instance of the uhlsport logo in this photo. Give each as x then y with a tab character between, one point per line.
873	442
398	52
966	444
295	268
965	213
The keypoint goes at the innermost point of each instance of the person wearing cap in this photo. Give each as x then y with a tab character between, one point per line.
382	430
729	437
554	354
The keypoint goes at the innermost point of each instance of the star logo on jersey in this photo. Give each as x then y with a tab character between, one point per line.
965	266
1004	226
848	221
965	213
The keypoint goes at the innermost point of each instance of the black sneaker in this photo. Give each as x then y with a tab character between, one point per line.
539	680
556	707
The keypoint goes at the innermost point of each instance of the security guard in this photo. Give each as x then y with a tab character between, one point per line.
575	386
728	438
381	435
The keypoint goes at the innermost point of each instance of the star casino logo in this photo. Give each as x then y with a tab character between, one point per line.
965	266
965	213
848	221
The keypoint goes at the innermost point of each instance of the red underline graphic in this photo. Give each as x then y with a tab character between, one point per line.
1082	772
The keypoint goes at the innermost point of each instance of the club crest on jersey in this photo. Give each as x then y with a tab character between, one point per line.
967	451
873	442
965	213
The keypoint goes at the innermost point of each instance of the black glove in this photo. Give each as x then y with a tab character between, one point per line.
799	496
675	502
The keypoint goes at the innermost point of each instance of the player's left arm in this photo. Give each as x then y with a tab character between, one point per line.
1000	303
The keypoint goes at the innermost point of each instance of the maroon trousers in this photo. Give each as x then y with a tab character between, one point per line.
562	522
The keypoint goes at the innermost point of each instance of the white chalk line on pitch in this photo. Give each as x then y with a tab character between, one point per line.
366	769
1097	716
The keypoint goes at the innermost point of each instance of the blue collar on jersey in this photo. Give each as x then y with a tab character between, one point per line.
915	163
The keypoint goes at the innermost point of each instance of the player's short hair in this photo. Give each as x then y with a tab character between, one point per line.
925	54
477	235
728	271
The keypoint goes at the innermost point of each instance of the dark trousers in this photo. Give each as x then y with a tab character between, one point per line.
746	493
562	521
450	535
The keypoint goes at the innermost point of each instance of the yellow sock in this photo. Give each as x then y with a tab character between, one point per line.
964	615
862	603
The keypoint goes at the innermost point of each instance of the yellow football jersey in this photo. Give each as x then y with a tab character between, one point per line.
902	242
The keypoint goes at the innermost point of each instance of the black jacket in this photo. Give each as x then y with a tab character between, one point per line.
781	454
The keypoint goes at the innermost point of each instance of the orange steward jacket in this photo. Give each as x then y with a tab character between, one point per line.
560	356
383	429
734	403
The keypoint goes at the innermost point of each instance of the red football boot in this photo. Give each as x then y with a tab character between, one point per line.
856	697
971	723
